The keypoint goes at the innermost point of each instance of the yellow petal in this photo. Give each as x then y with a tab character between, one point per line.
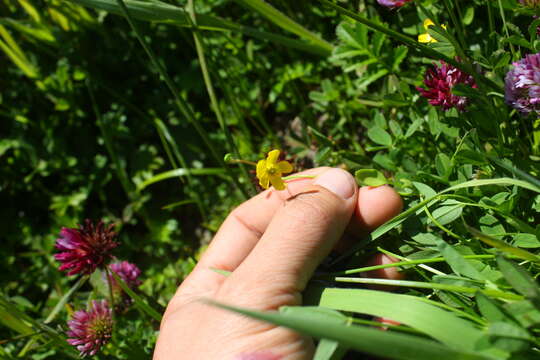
443	26
261	168
272	157
264	181
285	167
428	23
277	182
425	38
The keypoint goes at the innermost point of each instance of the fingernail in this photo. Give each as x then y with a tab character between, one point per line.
337	181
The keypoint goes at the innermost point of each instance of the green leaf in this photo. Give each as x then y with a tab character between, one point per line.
489	308
443	165
447	213
370	177
457	262
379	136
526	241
520	279
376	342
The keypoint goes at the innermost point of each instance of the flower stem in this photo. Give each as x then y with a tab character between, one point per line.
293	177
111	293
239	161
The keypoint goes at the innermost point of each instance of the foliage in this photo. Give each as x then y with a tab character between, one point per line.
128	121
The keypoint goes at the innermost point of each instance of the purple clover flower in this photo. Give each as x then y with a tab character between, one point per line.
128	272
522	85
392	3
85	249
90	330
440	80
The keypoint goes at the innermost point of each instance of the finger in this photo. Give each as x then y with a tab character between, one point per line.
375	206
241	231
391	273
299	236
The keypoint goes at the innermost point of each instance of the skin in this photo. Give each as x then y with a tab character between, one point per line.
272	244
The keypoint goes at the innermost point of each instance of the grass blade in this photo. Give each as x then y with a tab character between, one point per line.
284	22
503	246
180	172
408	310
139	302
166	13
63	301
376	342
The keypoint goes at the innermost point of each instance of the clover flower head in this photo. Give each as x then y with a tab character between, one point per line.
90	330
270	171
128	272
392	3
427	38
522	84
84	249
440	80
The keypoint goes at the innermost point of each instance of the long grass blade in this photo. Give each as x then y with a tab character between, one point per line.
376	342
284	22
139	302
180	172
162	12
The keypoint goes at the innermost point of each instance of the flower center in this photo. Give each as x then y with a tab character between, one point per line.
272	170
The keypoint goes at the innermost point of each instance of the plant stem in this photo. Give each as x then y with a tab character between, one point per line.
184	108
213	99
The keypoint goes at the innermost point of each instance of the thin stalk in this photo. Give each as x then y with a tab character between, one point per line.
440	226
170	146
505	27
108	274
120	171
457	24
184	108
401	263
199	46
412	43
490	17
432	286
423	266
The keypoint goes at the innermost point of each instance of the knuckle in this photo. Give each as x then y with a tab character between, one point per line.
310	209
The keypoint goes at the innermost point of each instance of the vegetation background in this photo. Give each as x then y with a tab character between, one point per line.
94	127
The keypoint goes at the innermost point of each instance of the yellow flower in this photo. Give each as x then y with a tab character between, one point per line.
426	38
269	171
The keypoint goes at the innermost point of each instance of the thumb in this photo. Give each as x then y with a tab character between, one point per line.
301	233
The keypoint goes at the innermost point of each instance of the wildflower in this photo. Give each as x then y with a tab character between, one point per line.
128	272
85	249
90	330
522	84
427	38
440	80
269	171
392	3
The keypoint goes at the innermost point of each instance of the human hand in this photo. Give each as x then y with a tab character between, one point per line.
271	244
